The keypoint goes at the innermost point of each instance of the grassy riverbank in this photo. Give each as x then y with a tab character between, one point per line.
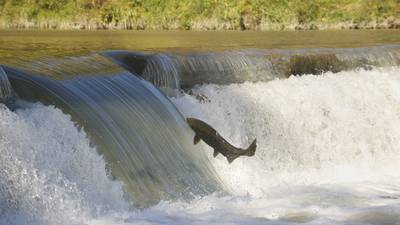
200	14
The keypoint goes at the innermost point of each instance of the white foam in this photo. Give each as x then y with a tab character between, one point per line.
309	129
327	154
327	145
49	173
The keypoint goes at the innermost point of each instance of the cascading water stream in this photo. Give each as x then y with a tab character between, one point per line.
144	139
6	92
327	145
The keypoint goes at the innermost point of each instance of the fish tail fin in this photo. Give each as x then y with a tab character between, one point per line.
251	150
230	158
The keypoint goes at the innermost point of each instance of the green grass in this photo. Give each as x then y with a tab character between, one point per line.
200	14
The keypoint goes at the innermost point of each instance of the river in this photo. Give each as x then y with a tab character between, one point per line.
93	131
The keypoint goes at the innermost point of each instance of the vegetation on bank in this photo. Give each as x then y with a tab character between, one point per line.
200	14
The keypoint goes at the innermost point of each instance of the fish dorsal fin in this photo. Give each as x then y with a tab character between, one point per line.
231	158
196	139
215	153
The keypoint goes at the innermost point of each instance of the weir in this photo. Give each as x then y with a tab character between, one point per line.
144	139
325	142
190	69
172	71
159	69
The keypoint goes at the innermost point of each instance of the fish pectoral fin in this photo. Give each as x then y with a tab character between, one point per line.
230	158
215	153
196	139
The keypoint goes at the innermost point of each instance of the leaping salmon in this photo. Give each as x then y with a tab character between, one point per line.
210	136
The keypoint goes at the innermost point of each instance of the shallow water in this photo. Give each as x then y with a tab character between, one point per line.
43	44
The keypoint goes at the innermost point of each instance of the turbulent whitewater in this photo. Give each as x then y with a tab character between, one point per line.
327	150
328	146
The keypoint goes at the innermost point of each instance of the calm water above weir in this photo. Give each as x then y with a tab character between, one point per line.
39	44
